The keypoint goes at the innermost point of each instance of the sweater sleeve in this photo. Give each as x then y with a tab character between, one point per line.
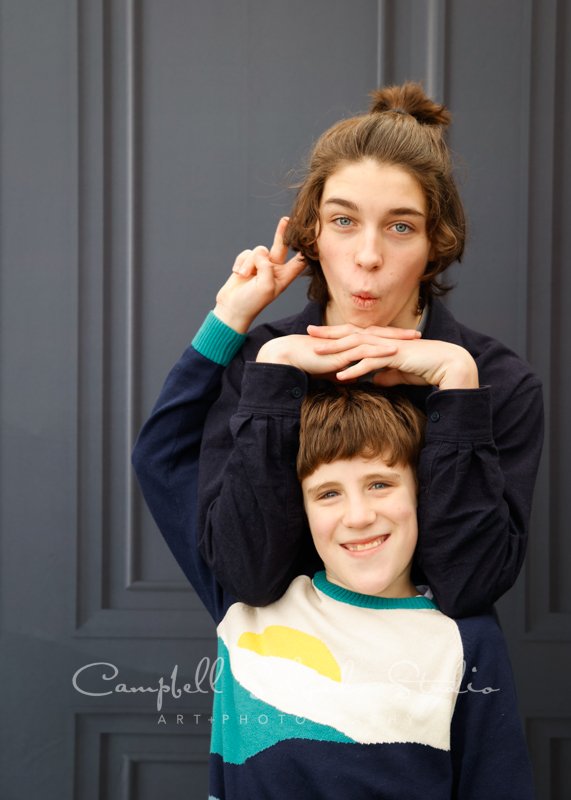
488	749
476	477
166	453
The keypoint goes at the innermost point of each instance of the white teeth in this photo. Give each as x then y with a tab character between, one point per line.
367	545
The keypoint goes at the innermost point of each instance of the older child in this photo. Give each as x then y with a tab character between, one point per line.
376	222
354	684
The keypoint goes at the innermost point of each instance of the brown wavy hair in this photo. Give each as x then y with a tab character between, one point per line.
404	128
342	422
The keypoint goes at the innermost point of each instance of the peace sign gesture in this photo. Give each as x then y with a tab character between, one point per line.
258	277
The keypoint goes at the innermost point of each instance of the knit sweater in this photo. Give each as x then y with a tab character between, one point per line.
328	693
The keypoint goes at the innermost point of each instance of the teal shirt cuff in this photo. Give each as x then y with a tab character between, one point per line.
217	341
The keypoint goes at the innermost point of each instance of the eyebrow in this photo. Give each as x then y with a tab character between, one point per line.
403	211
382	476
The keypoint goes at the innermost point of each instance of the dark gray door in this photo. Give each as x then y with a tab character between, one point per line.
143	144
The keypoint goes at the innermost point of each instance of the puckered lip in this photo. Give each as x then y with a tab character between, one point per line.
364	301
365	545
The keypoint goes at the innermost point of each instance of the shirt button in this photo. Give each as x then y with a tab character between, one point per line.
435	416
296	392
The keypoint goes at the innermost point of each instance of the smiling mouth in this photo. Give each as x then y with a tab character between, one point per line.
370	544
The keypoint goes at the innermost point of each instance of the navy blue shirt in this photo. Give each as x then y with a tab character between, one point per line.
476	473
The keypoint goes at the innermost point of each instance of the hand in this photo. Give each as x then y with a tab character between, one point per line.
302	352
412	361
258	277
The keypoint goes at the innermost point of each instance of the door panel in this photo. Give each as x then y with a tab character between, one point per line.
144	143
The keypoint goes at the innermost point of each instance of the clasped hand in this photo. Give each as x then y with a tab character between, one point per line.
392	355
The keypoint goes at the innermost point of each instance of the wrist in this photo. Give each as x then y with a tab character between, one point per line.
461	375
273	352
237	320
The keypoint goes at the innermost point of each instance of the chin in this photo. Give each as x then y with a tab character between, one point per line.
371	586
382	588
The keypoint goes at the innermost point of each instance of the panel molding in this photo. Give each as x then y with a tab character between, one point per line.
109	746
545	615
132	762
112	596
548	739
427	52
436	48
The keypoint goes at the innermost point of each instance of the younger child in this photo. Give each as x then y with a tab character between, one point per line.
354	685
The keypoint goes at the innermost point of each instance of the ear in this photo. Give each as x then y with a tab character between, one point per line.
317	228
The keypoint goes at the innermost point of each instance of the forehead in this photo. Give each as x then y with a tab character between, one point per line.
369	181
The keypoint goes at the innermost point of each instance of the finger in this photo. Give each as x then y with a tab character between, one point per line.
358	345
360	368
240	259
392	332
247	268
278	250
332	331
343	343
263	268
260	252
339	331
289	272
249	265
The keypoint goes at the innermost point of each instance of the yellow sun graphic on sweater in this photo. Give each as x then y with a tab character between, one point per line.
289	643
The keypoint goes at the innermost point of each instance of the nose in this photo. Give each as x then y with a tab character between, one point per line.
358	513
369	251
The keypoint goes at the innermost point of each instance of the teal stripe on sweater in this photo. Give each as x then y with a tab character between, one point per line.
368	600
243	725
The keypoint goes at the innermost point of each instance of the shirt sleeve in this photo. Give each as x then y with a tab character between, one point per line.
254	533
244	506
476	477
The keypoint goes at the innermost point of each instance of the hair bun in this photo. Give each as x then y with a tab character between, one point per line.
410	98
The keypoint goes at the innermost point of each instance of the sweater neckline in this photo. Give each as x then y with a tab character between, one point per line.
366	600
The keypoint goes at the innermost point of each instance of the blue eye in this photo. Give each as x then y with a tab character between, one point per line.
343	222
401	227
328	495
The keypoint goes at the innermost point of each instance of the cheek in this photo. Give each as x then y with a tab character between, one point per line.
313	520
323	249
321	528
416	269
331	246
406	513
